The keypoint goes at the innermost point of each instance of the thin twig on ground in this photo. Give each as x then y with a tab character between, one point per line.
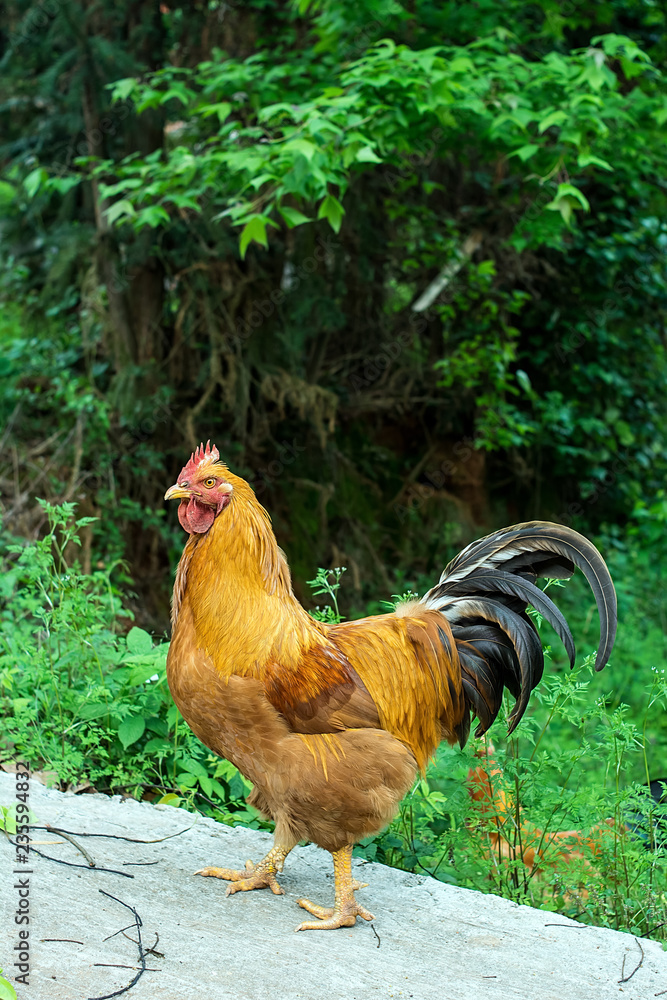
152	951
624	978
115	933
578	927
142	955
112	965
71	864
112	836
62	940
82	850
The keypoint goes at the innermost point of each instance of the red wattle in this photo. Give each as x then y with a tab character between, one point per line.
195	518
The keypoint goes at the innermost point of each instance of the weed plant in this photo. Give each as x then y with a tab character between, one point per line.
568	822
86	703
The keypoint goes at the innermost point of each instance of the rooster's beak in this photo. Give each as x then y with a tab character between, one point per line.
177	492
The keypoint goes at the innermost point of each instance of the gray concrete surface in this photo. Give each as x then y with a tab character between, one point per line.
435	942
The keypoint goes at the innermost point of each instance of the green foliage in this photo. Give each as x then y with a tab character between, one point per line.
231	239
327	582
561	115
82	701
486	362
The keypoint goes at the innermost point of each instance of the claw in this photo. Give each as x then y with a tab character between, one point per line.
346	909
331	917
260	876
258	880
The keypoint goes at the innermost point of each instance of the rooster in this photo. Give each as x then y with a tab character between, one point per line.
332	723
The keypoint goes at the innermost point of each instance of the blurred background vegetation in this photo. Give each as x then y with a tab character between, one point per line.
403	262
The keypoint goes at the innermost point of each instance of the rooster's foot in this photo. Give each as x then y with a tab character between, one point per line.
329	917
260	876
346	909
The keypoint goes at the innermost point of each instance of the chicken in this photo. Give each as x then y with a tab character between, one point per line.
332	723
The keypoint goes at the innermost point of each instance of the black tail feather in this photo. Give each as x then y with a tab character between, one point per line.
484	593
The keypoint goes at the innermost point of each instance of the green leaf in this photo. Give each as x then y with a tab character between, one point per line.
331	210
570	190
525	152
183	201
157	743
173	716
300	146
127	184
221	110
225	769
64	184
7	991
177	92
34	181
7	819
121	89
631	69
461	64
661	114
118	210
7	192
152	216
218	789
193	766
142	672
186	780
524	381
139	642
292	216
92	710
150	98
206	785
170	799
253	230
132	729
587	159
261	179
568	199
366	155
556	117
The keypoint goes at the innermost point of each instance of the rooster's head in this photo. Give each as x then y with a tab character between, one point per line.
202	488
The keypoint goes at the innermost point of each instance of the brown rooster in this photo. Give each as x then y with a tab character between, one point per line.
331	723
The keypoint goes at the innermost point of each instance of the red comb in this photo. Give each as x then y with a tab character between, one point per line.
200	456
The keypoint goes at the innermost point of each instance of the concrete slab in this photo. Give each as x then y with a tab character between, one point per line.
428	942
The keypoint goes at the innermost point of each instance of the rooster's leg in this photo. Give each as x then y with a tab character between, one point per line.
346	909
259	876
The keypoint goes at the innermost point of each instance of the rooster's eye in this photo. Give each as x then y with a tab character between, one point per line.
209	483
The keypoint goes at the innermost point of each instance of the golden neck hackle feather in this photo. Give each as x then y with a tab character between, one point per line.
238	587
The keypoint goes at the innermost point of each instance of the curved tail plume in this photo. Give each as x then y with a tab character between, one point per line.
484	593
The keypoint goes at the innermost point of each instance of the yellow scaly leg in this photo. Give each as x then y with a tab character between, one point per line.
346	909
